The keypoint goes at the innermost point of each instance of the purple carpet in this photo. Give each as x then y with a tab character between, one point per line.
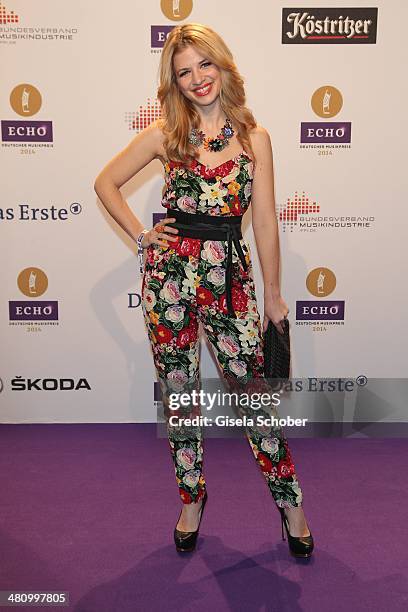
90	509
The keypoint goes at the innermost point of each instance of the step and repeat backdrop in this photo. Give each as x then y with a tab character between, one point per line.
79	80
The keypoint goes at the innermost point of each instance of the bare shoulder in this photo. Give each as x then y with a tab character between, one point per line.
260	137
261	144
154	133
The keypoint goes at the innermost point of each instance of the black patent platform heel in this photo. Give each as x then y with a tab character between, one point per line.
186	540
298	546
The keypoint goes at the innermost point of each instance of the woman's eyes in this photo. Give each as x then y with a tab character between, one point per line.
203	65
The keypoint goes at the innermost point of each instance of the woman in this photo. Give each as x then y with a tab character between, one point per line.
198	266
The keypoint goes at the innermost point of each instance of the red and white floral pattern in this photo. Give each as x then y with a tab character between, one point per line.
224	190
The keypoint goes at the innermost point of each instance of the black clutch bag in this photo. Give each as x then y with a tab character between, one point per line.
277	351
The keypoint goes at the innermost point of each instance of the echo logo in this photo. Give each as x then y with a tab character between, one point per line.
33	282
26	101
320	282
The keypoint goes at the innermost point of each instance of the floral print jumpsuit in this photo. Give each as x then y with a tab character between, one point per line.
184	284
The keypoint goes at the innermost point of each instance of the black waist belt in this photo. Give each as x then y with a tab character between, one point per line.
207	227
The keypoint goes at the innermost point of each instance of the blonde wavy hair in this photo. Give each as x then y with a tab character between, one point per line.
178	114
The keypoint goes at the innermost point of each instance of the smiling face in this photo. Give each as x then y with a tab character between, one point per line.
198	78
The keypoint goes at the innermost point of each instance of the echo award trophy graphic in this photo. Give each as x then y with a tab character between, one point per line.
176	8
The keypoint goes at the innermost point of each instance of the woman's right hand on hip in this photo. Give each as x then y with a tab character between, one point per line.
161	233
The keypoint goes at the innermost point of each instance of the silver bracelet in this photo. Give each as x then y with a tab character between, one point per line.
140	249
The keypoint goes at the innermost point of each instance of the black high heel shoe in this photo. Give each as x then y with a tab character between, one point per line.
186	540
299	547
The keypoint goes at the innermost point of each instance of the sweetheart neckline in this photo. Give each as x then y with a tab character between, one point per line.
197	161
240	154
